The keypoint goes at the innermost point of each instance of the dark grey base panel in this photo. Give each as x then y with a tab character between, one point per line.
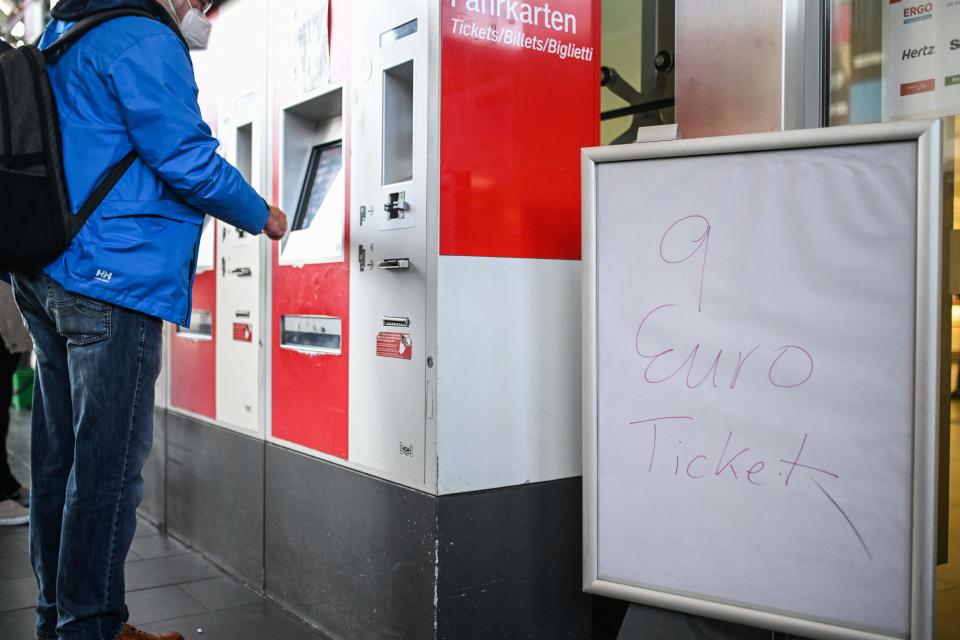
215	495
510	564
351	553
357	556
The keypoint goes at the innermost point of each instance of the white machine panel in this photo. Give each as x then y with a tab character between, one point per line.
389	212
242	96
239	327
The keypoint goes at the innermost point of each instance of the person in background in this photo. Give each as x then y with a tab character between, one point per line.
14	342
95	313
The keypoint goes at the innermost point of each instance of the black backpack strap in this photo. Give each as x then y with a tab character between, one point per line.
61	44
108	183
79	30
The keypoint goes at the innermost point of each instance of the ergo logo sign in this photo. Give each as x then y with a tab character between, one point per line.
918	12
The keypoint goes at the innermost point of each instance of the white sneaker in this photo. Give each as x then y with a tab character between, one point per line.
11	513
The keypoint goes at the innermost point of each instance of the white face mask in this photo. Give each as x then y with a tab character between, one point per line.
196	29
194	26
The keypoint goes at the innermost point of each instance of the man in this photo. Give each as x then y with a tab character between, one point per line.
14	342
94	313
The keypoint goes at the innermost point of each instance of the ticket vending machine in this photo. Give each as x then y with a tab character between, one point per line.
217	364
310	348
391	268
459	261
468	118
241	60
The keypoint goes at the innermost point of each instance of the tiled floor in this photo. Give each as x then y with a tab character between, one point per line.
169	587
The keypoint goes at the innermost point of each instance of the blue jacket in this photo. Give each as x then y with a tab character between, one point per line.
129	84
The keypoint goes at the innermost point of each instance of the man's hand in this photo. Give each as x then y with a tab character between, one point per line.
276	225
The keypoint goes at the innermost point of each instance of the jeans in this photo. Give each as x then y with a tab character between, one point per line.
91	434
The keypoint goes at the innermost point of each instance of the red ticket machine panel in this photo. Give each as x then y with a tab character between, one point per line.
310	342
193	353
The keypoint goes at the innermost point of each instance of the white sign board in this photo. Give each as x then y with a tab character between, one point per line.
760	312
921	58
312	44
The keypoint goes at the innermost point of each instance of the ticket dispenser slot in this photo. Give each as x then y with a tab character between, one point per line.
201	326
394	264
311	334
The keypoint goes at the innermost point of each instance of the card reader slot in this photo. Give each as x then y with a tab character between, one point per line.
394	264
395	321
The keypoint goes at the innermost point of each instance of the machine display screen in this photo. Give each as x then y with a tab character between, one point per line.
326	166
316	234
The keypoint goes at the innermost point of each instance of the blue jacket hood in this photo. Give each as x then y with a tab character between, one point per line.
74	10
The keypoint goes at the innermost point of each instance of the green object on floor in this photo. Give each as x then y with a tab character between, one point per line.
23	388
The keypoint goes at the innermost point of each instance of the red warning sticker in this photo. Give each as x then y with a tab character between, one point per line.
394	345
242	332
920	86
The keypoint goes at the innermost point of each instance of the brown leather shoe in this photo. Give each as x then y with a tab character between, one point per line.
130	632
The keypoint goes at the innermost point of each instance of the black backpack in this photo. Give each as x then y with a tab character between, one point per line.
36	220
